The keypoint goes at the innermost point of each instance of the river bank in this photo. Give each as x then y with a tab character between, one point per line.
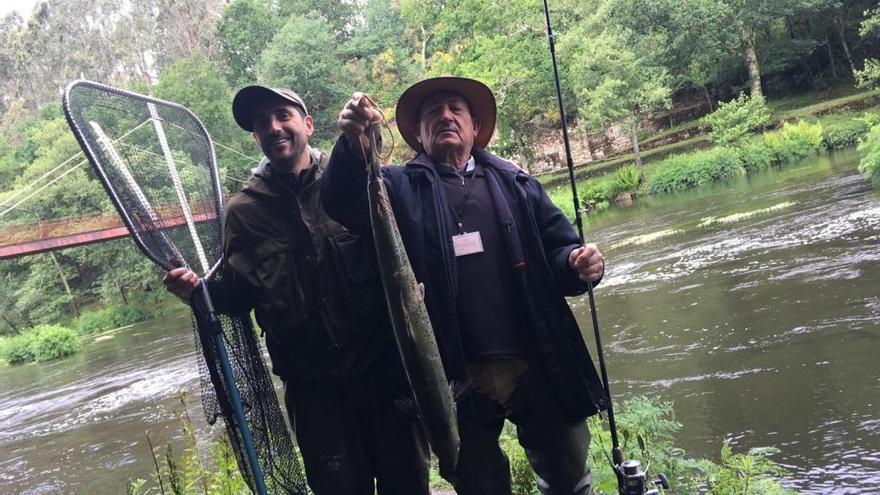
791	143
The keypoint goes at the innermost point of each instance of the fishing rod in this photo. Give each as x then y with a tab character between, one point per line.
631	479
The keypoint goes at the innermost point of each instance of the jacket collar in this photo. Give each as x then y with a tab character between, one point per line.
264	174
483	157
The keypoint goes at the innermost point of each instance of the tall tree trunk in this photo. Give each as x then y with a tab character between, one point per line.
831	57
425	38
73	308
122	293
635	143
708	98
841	31
9	322
751	56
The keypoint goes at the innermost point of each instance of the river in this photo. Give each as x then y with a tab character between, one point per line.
753	306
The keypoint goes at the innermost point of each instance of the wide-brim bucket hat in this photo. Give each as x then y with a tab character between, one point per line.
478	95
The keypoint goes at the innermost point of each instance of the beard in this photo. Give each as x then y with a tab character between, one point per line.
287	156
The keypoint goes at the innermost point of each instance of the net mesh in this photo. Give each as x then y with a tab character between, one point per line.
157	163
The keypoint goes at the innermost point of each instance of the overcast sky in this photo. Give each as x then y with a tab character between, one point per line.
23	7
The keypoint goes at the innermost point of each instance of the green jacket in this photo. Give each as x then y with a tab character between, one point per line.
313	286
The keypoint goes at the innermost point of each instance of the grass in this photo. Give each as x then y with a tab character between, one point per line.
594	169
804	106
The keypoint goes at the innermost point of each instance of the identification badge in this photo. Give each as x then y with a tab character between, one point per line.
465	244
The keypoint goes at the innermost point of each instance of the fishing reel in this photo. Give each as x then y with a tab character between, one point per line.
632	480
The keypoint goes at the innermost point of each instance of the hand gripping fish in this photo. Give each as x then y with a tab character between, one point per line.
412	327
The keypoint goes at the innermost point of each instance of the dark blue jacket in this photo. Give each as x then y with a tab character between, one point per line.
539	240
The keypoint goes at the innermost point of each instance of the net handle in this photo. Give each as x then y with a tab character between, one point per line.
178	186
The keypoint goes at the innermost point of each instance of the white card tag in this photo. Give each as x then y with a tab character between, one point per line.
465	244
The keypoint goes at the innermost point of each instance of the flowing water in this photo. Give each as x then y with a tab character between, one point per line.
754	306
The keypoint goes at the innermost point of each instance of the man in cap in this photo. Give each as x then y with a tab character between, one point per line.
496	258
315	291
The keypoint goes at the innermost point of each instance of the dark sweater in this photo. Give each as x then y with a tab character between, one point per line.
490	307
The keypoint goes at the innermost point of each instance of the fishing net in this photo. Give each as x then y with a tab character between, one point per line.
157	164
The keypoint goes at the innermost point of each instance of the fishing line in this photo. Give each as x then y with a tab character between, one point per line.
373	141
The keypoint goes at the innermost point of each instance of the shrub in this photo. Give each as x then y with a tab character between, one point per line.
869	76
17	349
870	149
756	155
753	472
683	172
626	179
737	118
841	130
597	191
41	343
594	194
110	317
54	342
795	141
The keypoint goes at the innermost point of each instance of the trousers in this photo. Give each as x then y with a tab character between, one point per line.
357	439
556	449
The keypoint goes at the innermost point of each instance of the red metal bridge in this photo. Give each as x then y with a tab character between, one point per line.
33	238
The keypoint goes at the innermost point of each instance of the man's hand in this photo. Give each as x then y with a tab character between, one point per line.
181	282
588	262
355	118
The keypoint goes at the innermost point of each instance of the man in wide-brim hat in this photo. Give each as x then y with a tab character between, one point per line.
497	259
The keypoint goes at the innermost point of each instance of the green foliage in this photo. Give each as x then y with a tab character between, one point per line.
522	476
54	342
243	32
41	343
626	179
744	474
683	172
182	471
755	155
870	149
795	141
737	119
614	77
111	317
869	76
842	130
646	429
17	349
305	57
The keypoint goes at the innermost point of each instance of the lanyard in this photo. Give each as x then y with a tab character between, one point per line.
458	211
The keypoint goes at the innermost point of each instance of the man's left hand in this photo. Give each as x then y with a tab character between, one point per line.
588	262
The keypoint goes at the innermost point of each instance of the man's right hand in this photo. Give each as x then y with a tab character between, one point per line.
354	120
181	282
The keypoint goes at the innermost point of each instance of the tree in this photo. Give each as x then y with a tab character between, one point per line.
742	21
614	82
305	57
243	32
422	17
211	101
342	16
869	76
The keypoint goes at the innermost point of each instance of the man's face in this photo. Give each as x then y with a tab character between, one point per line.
446	126
281	131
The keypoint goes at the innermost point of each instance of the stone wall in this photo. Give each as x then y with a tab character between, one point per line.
549	149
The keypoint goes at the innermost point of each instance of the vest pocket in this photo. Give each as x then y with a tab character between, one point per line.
360	292
272	271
